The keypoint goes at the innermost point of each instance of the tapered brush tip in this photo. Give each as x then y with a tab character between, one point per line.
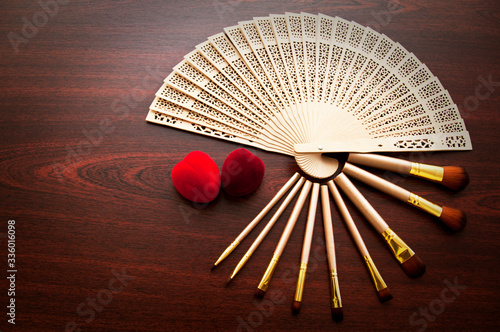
414	267
455	178
260	293
454	219
228	281
295	307
337	314
384	295
213	267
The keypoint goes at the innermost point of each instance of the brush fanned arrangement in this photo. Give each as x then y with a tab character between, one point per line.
308	86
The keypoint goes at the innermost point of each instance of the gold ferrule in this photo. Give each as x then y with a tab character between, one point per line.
431	172
226	252
400	249
376	277
266	278
241	263
300	282
425	205
335	290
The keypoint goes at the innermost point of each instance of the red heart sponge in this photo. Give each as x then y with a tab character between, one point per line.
242	172
197	177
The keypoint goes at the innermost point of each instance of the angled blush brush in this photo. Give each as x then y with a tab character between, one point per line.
409	261
383	292
335	299
452	177
257	219
266	229
306	249
452	218
266	278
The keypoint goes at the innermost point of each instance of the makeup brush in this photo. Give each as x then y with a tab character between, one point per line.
336	301
452	218
306	249
409	261
266	278
257	219
383	292
266	229
452	177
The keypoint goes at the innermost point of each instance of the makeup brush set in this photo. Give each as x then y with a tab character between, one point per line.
332	94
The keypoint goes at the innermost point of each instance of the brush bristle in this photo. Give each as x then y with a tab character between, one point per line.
414	267
260	293
455	178
228	281
337	314
384	295
454	219
213	267
295	307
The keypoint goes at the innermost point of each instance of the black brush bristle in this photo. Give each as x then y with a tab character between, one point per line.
337	314
384	295
295	307
228	281
414	267
260	293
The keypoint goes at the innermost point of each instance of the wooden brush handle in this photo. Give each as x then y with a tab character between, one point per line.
257	219
306	247
351	226
336	301
311	216
276	215
382	162
377	182
361	203
293	218
455	178
394	190
268	207
328	227
374	274
256	243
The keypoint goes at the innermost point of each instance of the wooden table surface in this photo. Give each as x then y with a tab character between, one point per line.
103	242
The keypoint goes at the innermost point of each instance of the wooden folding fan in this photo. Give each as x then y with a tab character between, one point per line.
310	85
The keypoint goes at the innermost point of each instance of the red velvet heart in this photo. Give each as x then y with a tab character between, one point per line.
242	172
197	177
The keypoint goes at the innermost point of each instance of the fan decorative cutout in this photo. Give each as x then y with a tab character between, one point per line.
308	86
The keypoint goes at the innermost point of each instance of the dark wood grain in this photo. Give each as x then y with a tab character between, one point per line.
87	180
